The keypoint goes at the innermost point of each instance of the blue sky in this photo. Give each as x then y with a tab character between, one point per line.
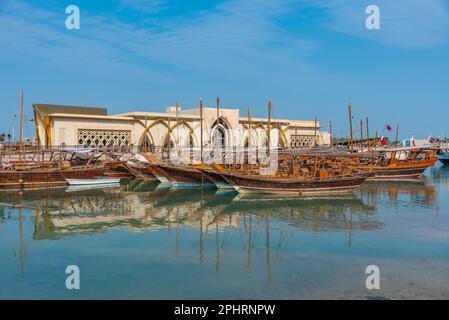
310	57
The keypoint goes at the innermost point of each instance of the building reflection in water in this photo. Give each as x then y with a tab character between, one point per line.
262	222
418	194
140	207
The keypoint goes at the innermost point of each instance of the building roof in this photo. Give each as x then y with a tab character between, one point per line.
88	116
142	114
46	109
299	123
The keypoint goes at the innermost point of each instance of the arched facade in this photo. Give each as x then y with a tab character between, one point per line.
146	143
221	134
149	131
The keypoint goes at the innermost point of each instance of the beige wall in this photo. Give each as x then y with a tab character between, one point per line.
70	127
156	125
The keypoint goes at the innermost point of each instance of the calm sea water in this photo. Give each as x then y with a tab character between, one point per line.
139	241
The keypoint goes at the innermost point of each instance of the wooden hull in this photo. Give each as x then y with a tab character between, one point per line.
44	178
120	175
180	176
218	180
160	174
299	188
408	171
143	172
399	173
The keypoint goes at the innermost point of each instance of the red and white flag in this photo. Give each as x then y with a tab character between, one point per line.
412	141
382	141
388	127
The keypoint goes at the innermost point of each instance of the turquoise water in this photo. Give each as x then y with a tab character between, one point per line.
138	241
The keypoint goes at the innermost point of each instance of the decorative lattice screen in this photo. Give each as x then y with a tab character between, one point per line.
103	138
298	141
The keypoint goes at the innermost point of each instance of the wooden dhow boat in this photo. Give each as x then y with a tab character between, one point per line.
43	177
300	174
388	163
182	176
294	186
213	173
31	169
399	163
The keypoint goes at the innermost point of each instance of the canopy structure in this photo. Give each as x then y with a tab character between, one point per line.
43	114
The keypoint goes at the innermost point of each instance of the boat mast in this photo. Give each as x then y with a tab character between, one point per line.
21	126
168	137
330	132
177	122
218	117
367	133
201	126
269	122
397	135
296	131
350	124
361	133
315	133
249	127
218	109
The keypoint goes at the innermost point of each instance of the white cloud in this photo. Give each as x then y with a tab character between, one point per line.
233	38
404	23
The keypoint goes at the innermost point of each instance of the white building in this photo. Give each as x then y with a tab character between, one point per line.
91	127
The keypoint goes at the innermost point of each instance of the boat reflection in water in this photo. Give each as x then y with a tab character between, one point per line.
139	206
143	206
418	194
198	231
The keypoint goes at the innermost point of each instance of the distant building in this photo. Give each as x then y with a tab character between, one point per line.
92	127
416	142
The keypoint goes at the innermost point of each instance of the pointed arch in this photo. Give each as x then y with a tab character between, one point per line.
220	135
190	134
179	123
146	143
282	139
157	122
222	121
168	141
